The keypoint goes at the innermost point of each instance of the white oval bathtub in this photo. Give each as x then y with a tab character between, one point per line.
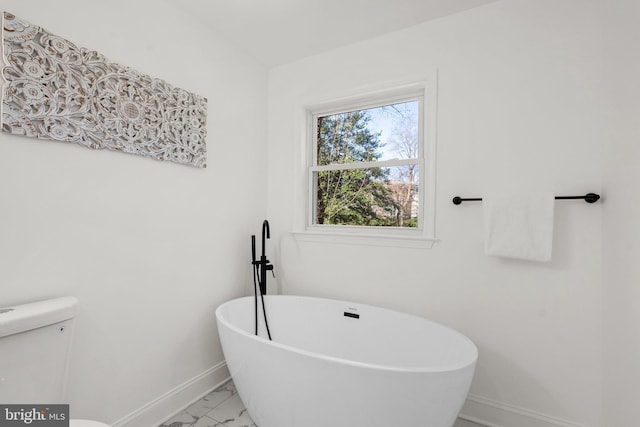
370	368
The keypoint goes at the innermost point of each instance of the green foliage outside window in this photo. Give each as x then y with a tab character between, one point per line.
367	196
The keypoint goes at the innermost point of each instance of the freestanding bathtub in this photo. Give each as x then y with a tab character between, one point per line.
342	364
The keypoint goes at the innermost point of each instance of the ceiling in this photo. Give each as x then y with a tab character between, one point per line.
279	31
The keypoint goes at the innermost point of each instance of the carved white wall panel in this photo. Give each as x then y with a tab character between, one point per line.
56	90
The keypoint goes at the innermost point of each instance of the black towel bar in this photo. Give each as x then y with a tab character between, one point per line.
589	198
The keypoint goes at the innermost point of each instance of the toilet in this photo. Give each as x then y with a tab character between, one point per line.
35	344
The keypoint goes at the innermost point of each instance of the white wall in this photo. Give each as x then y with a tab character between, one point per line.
150	248
621	269
517	110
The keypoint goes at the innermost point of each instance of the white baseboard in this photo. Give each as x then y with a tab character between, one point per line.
177	399
491	413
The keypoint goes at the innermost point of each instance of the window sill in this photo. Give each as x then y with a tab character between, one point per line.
365	239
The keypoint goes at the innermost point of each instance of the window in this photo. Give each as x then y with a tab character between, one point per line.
367	172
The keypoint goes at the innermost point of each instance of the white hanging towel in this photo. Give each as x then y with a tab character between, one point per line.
519	225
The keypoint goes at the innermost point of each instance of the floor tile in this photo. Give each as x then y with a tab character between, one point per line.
194	414
211	400
182	419
232	413
223	408
208	422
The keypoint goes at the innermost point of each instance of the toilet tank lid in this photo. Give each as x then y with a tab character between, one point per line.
25	317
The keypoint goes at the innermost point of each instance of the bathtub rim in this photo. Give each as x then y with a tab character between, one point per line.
437	369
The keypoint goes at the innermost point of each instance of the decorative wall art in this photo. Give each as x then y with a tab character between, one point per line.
55	90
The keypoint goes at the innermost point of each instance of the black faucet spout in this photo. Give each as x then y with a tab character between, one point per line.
265	227
265	264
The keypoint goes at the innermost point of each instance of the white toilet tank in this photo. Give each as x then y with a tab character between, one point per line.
35	344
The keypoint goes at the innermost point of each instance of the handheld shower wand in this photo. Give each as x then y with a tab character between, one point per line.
255	290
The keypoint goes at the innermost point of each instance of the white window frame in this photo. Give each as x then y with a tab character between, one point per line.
422	236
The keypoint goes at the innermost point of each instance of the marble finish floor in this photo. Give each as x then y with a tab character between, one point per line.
223	408
220	408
